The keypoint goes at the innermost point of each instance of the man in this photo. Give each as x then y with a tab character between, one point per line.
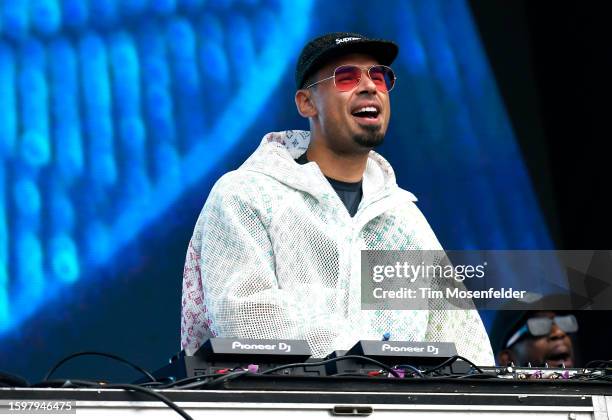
538	338
276	250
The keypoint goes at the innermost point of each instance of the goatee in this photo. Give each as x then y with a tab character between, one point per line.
371	138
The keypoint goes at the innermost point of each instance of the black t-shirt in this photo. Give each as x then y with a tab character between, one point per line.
349	192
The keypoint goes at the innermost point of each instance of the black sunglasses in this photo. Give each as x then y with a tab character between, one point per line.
539	326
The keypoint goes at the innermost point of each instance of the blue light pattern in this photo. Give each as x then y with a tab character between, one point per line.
110	110
106	118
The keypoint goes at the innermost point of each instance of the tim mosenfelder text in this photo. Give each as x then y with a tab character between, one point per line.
411	272
448	293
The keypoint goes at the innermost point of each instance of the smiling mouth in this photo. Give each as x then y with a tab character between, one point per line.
367	115
559	359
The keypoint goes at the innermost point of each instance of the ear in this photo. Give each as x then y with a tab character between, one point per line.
506	357
305	104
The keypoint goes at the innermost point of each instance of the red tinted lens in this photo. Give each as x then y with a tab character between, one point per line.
347	77
383	77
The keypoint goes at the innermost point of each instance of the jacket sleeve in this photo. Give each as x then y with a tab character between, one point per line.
462	326
229	283
465	329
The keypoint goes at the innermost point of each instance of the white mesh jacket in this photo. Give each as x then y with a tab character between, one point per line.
275	254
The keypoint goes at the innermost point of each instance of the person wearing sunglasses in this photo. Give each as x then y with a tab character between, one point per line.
276	250
540	338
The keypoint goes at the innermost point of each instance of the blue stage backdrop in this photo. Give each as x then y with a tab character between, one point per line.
116	116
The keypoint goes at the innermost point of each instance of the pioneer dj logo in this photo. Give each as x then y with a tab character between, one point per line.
284	347
429	349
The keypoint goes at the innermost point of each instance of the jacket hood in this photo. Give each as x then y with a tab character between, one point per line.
276	156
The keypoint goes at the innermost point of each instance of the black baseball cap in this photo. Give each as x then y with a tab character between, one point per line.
327	47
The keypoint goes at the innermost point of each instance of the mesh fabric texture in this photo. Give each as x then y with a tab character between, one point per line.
275	254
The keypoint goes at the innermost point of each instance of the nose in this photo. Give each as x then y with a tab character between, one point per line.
366	84
556	333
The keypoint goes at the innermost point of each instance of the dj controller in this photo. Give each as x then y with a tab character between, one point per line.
235	377
394	360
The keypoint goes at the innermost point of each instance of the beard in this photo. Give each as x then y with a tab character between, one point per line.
373	136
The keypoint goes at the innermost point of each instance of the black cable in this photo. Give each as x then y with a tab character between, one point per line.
97	353
218	378
154	394
151	384
227	377
199	378
165	380
65	383
200	384
449	361
233	375
335	359
9	379
598	363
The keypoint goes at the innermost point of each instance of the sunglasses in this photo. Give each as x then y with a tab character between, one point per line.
543	326
347	77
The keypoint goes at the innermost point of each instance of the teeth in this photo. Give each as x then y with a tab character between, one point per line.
367	109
